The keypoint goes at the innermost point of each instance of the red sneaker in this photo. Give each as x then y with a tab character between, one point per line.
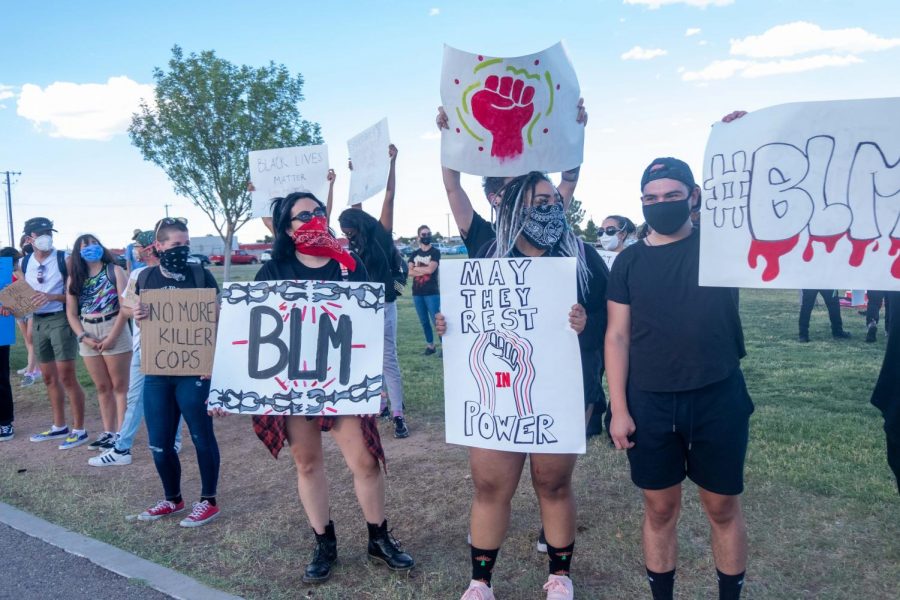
203	513
163	508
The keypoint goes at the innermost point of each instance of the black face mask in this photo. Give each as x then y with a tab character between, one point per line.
174	260
544	225
425	239
667	217
27	249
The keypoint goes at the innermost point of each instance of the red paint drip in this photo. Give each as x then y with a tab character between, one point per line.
334	304
282	306
329	313
895	249
303	314
859	250
239	342
357	345
314	315
281	383
326	384
286	315
295	383
268	412
315	383
329	409
830	242
771	251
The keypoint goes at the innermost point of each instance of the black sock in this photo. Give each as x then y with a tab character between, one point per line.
662	585
560	559
175	500
730	586
210	499
374	530
122	452
483	564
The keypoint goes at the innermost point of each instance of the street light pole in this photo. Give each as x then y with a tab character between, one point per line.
9	206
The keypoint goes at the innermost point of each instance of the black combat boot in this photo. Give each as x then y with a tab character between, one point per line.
324	556
384	547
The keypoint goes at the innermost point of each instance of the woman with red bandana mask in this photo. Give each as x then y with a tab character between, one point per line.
306	249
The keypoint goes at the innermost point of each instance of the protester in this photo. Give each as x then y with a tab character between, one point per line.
132	257
874	300
30	372
7	415
615	231
886	396
371	240
832	303
120	454
305	249
168	397
679	403
423	266
54	341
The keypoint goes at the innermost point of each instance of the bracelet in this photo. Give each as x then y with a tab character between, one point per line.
81	336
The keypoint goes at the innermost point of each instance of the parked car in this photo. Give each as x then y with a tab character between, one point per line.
266	256
456	249
238	257
198	259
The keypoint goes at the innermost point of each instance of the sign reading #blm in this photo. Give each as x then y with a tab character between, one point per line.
179	335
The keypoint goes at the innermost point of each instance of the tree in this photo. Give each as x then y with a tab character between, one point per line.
590	232
207	114
575	215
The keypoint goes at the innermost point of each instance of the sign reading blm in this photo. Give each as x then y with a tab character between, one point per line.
514	367
299	348
179	336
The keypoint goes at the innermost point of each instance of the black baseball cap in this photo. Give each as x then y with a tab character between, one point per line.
668	168
38	224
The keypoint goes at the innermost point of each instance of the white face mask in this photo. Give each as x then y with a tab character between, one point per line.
609	242
44	243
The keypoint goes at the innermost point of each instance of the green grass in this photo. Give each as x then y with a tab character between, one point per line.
821	504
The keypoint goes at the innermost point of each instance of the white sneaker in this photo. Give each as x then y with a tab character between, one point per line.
559	587
111	458
478	591
22	371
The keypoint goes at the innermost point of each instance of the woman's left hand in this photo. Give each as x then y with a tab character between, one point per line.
577	318
100	345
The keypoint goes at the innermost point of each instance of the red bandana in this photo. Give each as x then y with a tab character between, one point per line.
314	239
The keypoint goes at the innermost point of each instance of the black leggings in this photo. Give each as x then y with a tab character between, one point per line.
873	307
6	397
831	303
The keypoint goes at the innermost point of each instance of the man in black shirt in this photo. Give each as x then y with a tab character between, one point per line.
423	267
678	399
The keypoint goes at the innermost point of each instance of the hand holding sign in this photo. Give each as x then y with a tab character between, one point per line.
504	107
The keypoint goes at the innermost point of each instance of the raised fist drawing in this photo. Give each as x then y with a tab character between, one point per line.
507	352
504	106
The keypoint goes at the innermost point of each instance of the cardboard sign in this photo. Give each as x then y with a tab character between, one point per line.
282	171
509	116
130	298
7	324
514	378
17	298
300	348
368	151
179	336
804	195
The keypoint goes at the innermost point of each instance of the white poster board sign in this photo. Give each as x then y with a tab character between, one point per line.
282	171
509	116
804	195
368	151
512	363
299	348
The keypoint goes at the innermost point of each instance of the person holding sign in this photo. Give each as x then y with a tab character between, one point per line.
531	222
679	403
102	330
169	397
305	249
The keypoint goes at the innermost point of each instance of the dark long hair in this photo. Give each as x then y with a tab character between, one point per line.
372	241
283	246
78	268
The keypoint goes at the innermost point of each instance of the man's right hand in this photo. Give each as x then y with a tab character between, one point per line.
442	121
620	428
733	115
40	299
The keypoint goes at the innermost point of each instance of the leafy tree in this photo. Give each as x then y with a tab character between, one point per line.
575	215
207	114
590	232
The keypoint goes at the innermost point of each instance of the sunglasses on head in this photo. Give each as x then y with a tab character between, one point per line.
307	216
611	230
166	221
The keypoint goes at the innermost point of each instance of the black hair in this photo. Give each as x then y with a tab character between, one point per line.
493	185
421	227
643	231
78	268
164	226
283	246
372	241
10	252
625	224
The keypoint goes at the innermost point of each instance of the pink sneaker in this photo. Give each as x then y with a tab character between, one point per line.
202	513
478	590
559	587
163	508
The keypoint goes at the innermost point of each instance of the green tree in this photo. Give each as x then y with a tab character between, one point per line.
575	215
207	114
590	232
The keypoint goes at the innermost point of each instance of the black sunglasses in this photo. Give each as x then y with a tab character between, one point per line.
611	230
166	221
40	273
307	216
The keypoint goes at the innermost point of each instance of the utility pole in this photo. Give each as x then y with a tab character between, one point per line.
167	209
9	174
448	226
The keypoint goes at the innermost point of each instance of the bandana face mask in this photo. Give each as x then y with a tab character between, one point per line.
314	239
544	225
174	259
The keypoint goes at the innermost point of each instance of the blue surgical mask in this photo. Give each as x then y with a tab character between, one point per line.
92	253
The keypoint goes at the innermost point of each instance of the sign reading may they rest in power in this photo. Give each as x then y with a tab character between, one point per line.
179	335
516	365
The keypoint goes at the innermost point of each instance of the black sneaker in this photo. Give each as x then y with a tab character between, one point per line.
400	428
841	335
385	413
429	351
803	338
104	441
7	432
871	333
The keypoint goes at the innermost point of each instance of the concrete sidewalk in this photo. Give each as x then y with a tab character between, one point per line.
42	560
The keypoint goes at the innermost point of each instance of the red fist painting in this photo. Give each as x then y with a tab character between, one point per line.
504	107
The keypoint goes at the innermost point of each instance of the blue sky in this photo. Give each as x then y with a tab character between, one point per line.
654	74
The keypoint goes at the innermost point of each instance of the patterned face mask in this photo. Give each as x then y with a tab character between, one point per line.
174	259
544	225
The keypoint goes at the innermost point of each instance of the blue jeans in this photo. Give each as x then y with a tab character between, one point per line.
426	308
166	398
393	381
135	407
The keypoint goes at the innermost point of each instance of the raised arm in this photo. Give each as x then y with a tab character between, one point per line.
387	209
460	205
330	202
570	178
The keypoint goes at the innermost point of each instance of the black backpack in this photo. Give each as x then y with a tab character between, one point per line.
60	263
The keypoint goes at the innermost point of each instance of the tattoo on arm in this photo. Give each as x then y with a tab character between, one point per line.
571	174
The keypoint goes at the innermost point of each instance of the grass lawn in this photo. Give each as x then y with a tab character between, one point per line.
822	507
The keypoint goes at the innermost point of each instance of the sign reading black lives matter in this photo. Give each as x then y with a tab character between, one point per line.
513	368
299	348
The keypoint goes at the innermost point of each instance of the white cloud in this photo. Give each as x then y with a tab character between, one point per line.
87	111
800	37
726	69
702	43
692	31
434	12
430	135
6	92
655	4
719	69
638	53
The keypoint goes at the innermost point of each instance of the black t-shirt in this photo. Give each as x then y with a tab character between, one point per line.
155	280
292	268
426	285
683	336
382	262
480	234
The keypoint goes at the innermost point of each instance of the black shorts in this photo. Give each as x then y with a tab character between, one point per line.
701	434
592	379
